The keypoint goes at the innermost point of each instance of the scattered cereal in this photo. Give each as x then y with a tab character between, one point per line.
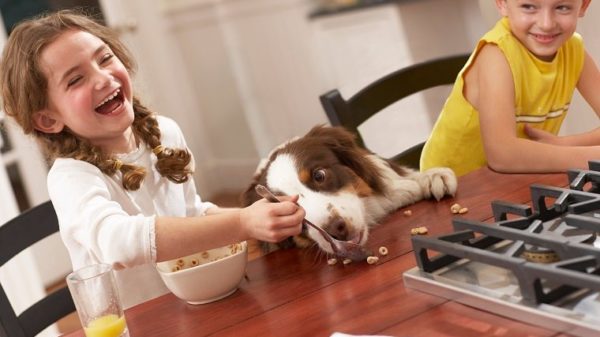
180	262
347	261
332	261
372	259
195	262
455	208
205	255
176	268
383	250
463	210
408	212
419	230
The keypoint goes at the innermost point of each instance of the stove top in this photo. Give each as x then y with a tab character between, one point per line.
537	264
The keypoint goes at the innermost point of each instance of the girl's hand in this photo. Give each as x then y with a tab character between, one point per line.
273	222
541	135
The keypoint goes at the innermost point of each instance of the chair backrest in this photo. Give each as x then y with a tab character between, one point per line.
15	236
385	91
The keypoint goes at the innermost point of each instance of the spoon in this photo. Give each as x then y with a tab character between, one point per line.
345	249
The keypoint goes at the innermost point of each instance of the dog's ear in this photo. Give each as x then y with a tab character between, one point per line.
337	136
249	196
342	142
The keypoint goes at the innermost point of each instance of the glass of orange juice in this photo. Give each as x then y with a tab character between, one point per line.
97	300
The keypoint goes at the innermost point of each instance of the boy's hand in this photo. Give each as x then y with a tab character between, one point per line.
541	135
273	222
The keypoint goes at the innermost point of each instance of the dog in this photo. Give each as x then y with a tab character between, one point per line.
344	188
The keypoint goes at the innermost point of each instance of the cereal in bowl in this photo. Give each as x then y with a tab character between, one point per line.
205	257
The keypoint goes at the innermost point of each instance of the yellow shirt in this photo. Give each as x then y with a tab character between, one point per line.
543	92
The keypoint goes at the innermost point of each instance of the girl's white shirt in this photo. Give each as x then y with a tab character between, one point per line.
101	222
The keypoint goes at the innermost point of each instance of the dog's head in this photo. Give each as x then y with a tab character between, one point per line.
333	177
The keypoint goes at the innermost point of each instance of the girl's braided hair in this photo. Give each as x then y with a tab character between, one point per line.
24	92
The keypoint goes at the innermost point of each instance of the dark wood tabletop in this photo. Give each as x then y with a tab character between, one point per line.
296	293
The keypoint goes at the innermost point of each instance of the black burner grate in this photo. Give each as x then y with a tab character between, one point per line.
563	223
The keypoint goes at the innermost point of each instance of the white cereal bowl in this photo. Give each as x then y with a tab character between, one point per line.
207	276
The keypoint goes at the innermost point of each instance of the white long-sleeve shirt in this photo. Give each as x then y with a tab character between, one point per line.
101	222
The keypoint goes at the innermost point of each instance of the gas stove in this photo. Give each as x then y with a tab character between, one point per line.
539	264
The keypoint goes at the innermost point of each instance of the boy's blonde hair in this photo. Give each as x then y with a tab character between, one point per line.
25	91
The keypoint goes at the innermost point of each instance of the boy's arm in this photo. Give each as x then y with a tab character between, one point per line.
590	138
589	87
589	83
506	152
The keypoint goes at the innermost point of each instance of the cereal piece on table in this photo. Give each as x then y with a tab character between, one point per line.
383	250
180	262
331	261
408	212
455	208
347	261
195	262
463	210
205	255
419	230
176	268
372	259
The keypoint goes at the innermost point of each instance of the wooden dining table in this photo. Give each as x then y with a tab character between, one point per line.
295	292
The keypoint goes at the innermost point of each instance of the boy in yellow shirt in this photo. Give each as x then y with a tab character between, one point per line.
511	97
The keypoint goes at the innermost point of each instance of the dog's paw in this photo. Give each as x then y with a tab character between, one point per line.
437	182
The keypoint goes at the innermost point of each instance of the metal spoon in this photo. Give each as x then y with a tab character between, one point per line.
345	249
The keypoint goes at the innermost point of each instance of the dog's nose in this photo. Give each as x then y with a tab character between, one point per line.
337	228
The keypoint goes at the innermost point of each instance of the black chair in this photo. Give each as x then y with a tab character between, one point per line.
385	91
15	236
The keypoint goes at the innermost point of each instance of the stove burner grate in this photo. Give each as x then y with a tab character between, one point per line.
559	230
496	266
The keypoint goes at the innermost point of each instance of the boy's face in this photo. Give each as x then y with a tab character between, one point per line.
89	91
543	26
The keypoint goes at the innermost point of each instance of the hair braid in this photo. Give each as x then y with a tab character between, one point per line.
172	163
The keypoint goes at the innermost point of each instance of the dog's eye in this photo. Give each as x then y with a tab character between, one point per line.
319	175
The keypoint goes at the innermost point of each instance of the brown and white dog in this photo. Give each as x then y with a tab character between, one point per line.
343	188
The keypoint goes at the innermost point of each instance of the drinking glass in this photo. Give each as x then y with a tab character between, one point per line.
94	291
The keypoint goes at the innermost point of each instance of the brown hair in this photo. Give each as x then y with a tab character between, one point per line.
24	92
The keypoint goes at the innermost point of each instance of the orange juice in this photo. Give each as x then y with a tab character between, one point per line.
106	326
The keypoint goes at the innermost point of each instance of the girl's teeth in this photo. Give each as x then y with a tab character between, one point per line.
109	98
